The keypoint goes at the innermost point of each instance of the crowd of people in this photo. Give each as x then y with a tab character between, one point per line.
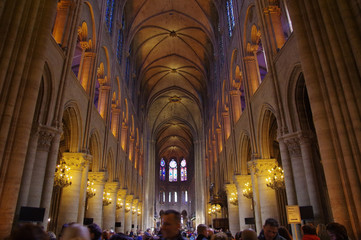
171	230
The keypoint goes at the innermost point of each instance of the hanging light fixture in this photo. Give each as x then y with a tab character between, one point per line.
247	191
119	203
90	190
127	207
139	212
62	177
275	178
106	199
234	198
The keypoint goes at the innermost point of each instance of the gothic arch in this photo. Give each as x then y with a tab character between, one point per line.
95	150
245	153
267	122
110	166
73	125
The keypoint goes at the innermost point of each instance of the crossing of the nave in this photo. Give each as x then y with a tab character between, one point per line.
227	111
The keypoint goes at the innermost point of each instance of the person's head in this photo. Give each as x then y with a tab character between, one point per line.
283	232
249	234
171	224
210	232
29	232
238	235
219	236
95	231
76	232
336	231
270	228
202	229
309	229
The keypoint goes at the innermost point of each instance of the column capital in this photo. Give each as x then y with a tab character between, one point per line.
129	198
241	180
98	177
122	193
111	187
135	201
261	166
272	9
77	160
230	188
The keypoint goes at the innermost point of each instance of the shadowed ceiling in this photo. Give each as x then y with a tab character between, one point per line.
172	44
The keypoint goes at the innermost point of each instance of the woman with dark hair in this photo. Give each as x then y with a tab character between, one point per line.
336	231
309	232
29	232
283	231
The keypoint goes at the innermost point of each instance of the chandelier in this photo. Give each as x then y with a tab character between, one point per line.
139	212
62	177
233	199
90	190
134	210
127	207
214	208
119	203
247	191
106	199
275	178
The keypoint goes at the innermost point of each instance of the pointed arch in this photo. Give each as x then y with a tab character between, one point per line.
72	124
267	123
95	150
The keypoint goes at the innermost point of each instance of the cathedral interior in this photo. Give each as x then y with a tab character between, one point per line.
228	111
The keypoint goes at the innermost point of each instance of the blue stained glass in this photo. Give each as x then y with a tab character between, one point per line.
120	46
109	15
230	17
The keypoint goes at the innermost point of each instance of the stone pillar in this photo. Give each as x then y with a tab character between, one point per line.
86	69
274	25
128	214
124	137
69	202
245	205
62	21
252	74
120	213
41	159
264	198
134	215
219	139
83	191
310	176
131	148
233	211
115	121
236	104
109	211
226	124
95	204
103	103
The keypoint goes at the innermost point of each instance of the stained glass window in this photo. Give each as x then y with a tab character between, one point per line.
183	170
175	197
186	196
162	170
170	196
173	171
230	17
109	15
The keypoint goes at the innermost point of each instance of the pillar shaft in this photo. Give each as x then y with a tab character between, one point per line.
244	204
86	70
252	76
233	211
95	204
128	214
109	211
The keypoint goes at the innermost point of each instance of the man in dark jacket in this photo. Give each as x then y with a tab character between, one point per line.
270	230
202	232
171	225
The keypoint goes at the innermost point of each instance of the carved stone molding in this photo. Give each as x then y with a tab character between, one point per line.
135	202
241	180
98	177
272	9
122	193
77	160
44	140
111	187
129	198
260	167
230	188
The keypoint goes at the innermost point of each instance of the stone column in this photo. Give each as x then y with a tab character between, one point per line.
219	139
109	211
115	121
128	214
95	204
124	137
244	204
83	189
41	159
275	31
61	21
226	124
134	215
86	68
69	202
252	74
265	202
233	211
103	104
120	213
236	103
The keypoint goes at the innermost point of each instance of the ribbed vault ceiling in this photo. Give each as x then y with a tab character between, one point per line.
172	49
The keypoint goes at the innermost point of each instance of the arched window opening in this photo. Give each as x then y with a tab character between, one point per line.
261	59
173	171
109	15
230	17
162	170
186	196
170	197
120	41
183	170
285	19
175	197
